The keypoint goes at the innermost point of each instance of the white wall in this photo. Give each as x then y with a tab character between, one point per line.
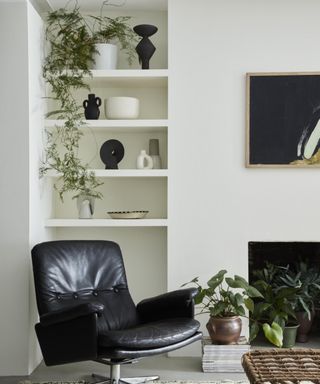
21	219
14	192
216	205
39	198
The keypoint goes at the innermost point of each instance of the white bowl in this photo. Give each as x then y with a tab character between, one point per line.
121	107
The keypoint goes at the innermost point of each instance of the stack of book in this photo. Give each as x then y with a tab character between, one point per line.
223	358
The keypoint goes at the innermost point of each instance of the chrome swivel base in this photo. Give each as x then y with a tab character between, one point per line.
116	379
124	380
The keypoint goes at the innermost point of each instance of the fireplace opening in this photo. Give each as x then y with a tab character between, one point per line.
282	253
295	265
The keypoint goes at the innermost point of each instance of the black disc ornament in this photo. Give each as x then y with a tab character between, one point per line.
111	153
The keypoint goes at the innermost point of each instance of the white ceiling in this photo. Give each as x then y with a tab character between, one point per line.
94	5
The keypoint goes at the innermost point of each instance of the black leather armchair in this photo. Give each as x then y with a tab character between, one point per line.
87	313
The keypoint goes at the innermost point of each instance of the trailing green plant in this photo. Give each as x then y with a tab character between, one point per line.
71	41
225	296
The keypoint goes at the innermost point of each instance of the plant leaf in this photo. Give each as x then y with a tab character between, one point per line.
194	280
254	329
253	292
249	304
273	333
199	296
217	279
218	309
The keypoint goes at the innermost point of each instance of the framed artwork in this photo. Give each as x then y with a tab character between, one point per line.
283	120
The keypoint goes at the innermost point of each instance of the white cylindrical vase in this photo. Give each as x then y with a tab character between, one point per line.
122	107
106	57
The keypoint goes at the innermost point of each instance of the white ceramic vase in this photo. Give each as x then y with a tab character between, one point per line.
107	56
122	107
144	161
85	205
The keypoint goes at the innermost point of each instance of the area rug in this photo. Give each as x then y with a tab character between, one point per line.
155	382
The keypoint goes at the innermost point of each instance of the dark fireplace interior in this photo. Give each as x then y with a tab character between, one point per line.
283	254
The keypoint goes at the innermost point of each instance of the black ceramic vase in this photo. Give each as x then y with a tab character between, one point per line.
145	49
91	107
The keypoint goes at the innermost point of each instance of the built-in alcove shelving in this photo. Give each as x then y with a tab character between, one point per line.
126	188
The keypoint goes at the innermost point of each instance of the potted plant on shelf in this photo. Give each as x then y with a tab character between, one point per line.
70	57
106	32
226	299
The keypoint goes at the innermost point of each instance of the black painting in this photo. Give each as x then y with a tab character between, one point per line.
284	111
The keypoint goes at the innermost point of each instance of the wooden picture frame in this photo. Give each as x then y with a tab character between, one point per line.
283	119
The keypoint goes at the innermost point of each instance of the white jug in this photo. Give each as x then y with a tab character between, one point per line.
85	211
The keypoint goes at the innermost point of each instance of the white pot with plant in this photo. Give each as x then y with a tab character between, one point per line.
106	56
106	33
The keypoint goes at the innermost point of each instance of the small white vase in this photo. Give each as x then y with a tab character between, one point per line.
107	56
144	161
122	107
85	205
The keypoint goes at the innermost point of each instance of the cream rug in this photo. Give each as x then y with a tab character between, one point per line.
155	382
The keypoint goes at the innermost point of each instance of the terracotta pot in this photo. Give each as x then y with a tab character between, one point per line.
224	330
305	326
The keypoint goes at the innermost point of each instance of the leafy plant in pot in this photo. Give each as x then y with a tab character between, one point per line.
106	32
306	281
276	306
226	299
70	57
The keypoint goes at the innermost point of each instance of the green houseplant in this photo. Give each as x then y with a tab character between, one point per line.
225	299
276	305
105	32
306	282
71	48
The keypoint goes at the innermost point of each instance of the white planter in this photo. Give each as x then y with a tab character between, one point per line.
107	57
119	107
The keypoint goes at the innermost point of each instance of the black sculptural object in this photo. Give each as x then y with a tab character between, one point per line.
91	107
145	49
111	153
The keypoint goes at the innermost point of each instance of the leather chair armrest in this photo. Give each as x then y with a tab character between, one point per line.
69	341
67	314
178	303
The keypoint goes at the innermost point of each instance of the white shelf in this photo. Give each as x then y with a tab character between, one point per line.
122	173
106	223
141	125
129	78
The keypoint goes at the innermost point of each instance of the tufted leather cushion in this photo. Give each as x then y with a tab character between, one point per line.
152	335
69	273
